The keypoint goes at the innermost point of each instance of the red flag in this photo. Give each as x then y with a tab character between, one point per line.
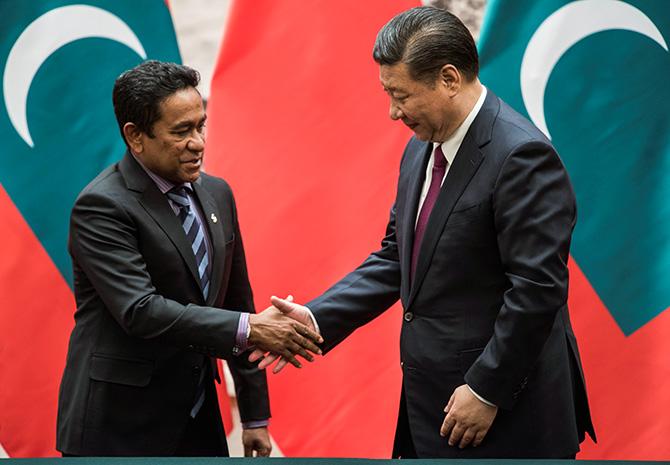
298	125
35	324
627	378
224	400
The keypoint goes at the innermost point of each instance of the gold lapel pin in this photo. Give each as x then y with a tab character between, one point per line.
214	218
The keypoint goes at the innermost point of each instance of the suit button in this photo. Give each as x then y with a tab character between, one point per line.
236	350
409	316
402	364
190	346
196	370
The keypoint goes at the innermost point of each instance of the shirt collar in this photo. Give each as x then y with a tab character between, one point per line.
451	145
163	184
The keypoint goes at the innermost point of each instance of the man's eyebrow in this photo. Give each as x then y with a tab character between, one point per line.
187	123
181	124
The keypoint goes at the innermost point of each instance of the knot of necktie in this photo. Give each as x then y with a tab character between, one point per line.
179	195
439	160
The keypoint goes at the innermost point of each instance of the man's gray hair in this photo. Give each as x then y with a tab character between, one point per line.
425	39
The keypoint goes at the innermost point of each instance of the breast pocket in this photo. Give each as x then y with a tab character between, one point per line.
464	214
470	225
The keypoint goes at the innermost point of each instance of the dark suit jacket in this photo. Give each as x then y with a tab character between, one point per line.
487	306
142	329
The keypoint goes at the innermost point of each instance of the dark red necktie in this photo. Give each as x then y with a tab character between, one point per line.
439	168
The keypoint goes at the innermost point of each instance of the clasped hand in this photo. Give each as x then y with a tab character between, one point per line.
300	315
282	335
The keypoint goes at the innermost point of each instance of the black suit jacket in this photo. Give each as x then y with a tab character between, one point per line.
142	329
487	306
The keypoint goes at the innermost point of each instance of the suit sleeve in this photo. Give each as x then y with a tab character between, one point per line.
534	215
104	243
250	382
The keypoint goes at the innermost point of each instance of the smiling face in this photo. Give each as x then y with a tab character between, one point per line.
175	151
426	109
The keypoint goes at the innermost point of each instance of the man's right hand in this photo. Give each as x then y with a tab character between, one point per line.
272	331
299	313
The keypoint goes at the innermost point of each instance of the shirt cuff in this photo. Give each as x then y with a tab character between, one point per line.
255	424
242	336
316	325
490	404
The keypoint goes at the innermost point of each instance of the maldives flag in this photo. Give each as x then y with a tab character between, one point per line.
592	74
298	124
58	63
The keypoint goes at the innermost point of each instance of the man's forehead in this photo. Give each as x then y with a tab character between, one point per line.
387	83
185	96
393	77
183	105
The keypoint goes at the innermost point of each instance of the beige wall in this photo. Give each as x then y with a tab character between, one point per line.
200	24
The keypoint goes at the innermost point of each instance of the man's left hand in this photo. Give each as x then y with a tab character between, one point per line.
256	440
468	418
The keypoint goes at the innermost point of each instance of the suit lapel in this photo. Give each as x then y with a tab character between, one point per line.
157	206
417	174
465	165
466	162
214	223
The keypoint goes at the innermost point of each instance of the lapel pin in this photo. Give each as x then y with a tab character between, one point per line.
214	218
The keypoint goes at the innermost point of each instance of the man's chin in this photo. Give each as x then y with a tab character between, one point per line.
422	136
191	176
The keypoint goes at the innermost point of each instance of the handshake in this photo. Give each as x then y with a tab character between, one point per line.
283	331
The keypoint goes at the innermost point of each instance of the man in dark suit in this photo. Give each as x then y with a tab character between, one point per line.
476	249
161	285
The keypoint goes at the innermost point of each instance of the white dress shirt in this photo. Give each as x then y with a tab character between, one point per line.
449	149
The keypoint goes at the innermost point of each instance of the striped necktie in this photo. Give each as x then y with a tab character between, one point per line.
196	235
194	232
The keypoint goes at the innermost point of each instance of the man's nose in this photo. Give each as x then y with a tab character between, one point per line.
197	142
394	112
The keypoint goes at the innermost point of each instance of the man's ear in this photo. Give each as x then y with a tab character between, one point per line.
451	79
133	137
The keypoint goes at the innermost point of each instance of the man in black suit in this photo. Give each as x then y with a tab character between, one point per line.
161	285
476	249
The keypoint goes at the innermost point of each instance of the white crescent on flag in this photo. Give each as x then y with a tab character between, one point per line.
45	35
563	29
